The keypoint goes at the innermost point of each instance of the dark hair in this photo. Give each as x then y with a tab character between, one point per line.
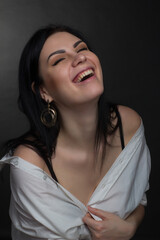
39	137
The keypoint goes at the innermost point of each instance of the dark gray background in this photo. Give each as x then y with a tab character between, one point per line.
125	35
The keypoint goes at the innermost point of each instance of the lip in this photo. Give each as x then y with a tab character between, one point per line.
77	75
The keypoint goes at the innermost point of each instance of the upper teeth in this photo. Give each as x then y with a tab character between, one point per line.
82	75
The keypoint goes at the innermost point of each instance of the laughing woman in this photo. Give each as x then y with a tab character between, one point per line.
82	169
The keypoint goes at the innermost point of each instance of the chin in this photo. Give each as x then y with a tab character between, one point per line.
94	95
96	91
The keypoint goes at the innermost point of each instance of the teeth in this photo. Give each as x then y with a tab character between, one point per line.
84	74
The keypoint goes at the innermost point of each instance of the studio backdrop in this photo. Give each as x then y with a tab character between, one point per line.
125	36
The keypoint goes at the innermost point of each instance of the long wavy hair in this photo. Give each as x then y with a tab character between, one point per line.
40	138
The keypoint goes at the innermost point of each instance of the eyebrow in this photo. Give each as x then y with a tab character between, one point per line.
77	43
62	50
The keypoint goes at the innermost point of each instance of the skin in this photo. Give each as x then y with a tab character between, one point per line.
77	104
58	85
113	227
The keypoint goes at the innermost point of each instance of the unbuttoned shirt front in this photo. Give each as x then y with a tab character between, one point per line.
41	208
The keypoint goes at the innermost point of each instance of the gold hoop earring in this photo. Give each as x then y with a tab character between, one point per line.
49	116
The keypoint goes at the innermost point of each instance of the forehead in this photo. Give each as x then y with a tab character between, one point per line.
56	41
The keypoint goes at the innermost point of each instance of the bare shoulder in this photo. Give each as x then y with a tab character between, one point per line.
29	155
130	120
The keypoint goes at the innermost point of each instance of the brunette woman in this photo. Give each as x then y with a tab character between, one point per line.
82	169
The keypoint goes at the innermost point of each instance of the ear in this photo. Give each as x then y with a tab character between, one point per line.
43	92
32	86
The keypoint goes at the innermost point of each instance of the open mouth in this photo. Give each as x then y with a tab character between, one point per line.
84	76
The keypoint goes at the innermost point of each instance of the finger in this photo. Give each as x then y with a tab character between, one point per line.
91	223
88	215
98	212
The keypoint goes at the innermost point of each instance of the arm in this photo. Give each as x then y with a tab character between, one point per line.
136	217
112	226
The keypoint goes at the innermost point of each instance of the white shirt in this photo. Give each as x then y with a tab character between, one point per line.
40	208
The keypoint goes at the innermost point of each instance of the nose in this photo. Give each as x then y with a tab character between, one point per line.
79	58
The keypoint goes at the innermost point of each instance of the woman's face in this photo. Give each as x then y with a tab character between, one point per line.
71	73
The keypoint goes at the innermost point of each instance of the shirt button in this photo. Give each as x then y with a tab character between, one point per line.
45	177
103	185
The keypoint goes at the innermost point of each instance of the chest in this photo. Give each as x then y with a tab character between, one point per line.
79	174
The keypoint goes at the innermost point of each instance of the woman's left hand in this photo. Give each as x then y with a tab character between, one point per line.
112	227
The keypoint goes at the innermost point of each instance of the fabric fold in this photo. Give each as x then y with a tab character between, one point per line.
41	208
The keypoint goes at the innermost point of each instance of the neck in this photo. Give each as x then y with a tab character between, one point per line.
79	125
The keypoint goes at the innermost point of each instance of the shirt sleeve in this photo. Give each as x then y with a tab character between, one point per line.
145	168
144	200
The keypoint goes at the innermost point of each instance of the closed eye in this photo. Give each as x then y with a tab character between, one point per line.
82	49
56	62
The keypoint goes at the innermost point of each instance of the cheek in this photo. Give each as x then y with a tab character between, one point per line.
99	68
50	83
54	81
97	62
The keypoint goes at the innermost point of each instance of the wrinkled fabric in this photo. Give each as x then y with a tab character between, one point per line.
41	208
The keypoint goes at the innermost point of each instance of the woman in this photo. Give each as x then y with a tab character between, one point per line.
77	173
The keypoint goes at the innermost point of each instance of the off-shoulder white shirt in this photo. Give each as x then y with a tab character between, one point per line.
40	208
